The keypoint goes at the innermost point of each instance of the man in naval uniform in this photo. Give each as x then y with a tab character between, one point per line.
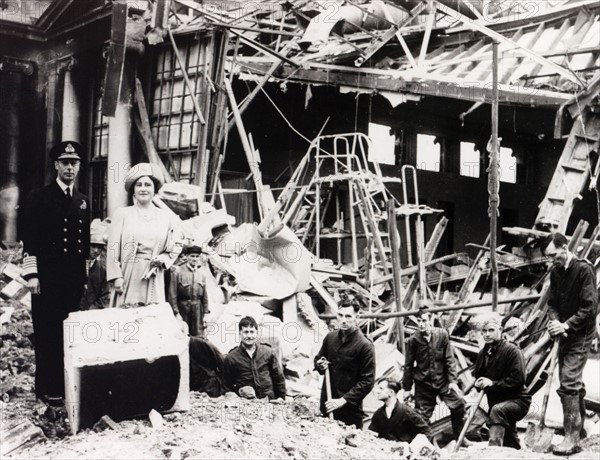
56	240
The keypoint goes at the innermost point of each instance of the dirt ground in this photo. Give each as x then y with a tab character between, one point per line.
215	428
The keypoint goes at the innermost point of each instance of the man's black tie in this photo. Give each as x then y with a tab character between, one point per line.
68	193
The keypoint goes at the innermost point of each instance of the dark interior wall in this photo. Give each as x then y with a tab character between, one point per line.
528	131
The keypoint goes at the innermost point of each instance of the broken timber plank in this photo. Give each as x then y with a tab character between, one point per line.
142	122
331	307
571	173
468	286
19	436
188	83
115	65
250	155
396	270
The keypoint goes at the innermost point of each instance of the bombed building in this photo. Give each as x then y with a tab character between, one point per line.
404	153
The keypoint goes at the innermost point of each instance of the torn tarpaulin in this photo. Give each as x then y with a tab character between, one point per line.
276	267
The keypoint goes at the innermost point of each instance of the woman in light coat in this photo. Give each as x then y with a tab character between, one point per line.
143	241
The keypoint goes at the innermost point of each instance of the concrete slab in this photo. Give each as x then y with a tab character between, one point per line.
123	363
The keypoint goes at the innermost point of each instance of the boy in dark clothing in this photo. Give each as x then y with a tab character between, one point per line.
350	358
430	363
252	369
500	373
393	420
206	367
573	305
97	292
187	292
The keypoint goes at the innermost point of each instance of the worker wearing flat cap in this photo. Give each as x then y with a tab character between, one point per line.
500	373
187	291
429	363
573	306
56	241
143	241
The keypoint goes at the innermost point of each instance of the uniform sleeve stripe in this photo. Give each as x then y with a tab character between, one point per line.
29	267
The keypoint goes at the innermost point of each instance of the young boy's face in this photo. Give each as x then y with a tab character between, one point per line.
95	250
194	259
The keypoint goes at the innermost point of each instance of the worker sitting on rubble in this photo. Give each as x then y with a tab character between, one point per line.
500	373
349	357
396	421
252	369
429	362
573	304
187	291
97	292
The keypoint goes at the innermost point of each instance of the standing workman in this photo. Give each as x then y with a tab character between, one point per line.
500	373
573	304
56	242
350	358
187	291
429	362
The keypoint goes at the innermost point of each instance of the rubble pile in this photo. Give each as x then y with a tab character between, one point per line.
231	427
17	366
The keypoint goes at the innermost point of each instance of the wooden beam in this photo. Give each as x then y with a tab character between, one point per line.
142	123
253	164
413	82
456	307
188	83
394	237
569	75
115	64
427	34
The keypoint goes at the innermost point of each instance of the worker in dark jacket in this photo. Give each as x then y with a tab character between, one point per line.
573	307
56	244
350	358
429	362
500	373
252	369
396	421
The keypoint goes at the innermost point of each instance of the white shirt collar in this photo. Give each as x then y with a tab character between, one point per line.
569	259
64	186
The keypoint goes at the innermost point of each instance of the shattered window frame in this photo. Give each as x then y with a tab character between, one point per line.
99	156
173	120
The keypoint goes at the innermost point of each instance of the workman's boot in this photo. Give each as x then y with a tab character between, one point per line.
496	435
583	433
572	425
457	417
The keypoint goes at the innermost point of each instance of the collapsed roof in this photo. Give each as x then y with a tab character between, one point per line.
424	48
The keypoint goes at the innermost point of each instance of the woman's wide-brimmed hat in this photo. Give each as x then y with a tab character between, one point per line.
141	170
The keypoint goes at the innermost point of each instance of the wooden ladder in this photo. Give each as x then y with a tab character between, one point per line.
571	174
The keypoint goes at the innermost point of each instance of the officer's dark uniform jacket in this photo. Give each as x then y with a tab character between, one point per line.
56	241
574	298
403	425
352	367
429	362
57	234
262	371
